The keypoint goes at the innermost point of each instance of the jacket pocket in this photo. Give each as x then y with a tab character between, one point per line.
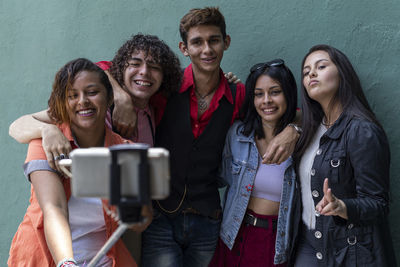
352	247
337	161
235	168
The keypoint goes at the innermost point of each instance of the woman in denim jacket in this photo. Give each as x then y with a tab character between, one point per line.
259	196
343	164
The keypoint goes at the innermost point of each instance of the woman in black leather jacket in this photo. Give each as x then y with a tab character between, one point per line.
343	160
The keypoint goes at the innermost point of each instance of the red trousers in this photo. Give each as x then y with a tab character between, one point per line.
253	247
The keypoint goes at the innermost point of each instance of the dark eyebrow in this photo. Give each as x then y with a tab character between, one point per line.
275	86
195	39
86	87
216	36
316	63
272	87
91	85
135	58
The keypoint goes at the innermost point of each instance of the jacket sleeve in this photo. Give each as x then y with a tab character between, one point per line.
369	155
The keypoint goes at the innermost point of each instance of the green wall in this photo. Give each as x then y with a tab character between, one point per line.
38	37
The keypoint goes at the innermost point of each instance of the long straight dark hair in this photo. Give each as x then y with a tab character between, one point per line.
350	95
252	121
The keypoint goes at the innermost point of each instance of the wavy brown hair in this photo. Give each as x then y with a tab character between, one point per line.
63	82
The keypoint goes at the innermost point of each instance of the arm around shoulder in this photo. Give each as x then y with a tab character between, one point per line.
39	125
29	127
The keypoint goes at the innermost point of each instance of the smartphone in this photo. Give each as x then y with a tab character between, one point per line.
90	169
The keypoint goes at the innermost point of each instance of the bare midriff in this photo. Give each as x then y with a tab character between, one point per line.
263	206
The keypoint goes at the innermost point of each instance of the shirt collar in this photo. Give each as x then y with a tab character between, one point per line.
66	130
145	110
223	87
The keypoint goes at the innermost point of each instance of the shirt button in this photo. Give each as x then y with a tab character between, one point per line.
319	255
318	234
312	172
315	193
196	125
319	151
350	226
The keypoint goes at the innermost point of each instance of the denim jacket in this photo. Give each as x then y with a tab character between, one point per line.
240	161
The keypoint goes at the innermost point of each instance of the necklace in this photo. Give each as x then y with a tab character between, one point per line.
201	100
325	123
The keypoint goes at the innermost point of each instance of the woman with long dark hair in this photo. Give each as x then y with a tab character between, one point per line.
258	203
343	160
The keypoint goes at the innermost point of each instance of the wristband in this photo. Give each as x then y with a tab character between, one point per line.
67	263
297	128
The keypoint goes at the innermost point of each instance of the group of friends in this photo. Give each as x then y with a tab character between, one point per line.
309	191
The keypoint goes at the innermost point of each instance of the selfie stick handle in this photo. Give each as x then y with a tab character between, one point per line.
108	245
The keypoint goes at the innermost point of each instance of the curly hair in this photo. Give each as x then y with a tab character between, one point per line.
160	53
63	82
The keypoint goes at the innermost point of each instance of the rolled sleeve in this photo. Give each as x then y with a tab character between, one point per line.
36	165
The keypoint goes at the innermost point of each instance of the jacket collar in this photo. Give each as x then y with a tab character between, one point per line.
243	138
338	127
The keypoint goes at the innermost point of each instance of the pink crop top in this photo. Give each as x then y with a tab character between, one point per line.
268	181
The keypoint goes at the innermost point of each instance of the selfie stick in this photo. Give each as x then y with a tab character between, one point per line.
128	207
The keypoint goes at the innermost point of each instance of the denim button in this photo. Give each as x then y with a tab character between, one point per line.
319	255
315	193
312	172
318	234
319	151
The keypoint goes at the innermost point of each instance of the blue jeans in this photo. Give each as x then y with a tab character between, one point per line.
185	240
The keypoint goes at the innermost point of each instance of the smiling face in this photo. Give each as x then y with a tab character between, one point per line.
269	100
142	78
320	77
87	102
205	46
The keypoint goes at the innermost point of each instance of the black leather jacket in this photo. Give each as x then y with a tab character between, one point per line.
354	154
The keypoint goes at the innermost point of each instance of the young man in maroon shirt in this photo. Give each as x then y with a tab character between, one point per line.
185	228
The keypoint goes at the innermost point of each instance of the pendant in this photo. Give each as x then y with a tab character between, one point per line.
202	104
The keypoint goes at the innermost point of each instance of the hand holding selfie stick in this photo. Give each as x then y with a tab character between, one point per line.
129	207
